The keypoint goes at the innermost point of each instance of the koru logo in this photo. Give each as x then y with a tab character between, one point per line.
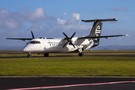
98	27
97	31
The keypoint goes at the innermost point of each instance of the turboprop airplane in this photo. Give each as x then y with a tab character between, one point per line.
67	44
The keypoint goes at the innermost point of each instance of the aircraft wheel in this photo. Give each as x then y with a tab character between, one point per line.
46	54
29	55
80	54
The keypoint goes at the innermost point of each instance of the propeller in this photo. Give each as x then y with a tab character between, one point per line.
32	35
69	40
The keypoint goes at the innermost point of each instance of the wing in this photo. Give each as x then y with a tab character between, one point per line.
101	36
24	39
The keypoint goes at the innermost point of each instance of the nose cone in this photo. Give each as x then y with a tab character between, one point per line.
26	49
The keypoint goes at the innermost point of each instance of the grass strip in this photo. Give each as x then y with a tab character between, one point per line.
68	66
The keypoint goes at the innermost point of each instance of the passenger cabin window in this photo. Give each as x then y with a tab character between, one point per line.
35	42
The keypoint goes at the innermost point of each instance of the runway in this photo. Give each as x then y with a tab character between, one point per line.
58	83
15	54
72	56
133	55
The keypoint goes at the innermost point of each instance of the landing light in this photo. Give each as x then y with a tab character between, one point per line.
126	35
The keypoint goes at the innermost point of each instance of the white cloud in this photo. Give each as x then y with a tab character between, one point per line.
4	11
38	21
15	20
37	15
76	15
60	21
7	20
65	13
36	27
72	21
70	25
11	24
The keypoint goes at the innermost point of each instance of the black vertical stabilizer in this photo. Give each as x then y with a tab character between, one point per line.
96	28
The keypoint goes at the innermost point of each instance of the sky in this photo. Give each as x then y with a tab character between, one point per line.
49	18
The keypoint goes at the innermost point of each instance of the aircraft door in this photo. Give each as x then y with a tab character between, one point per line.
45	45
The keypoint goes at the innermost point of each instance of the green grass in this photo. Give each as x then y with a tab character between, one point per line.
68	66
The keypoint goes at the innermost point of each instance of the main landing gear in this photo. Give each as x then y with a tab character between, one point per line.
46	54
80	50
29	55
80	54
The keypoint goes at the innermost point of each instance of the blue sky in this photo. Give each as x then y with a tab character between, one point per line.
49	18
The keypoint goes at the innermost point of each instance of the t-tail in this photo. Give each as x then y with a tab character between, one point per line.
96	29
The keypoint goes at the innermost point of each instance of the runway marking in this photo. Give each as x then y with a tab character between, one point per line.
73	85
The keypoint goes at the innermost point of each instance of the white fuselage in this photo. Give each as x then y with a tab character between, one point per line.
55	45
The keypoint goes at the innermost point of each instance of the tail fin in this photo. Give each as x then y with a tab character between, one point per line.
96	28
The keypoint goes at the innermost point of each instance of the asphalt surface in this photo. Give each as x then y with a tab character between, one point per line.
73	56
121	55
28	82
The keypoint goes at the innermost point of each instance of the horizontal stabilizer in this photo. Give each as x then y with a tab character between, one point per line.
101	36
114	19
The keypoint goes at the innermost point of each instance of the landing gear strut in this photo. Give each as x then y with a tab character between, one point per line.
46	54
80	54
29	55
80	51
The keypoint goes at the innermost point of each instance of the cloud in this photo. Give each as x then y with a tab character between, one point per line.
7	21
70	26
65	13
36	27
37	20
72	23
3	11
19	24
121	8
76	15
15	20
11	24
37	15
60	21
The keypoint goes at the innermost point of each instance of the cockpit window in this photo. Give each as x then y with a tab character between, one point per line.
35	42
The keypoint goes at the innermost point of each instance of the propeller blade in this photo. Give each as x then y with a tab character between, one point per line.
73	45
65	44
32	35
69	40
66	36
72	35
